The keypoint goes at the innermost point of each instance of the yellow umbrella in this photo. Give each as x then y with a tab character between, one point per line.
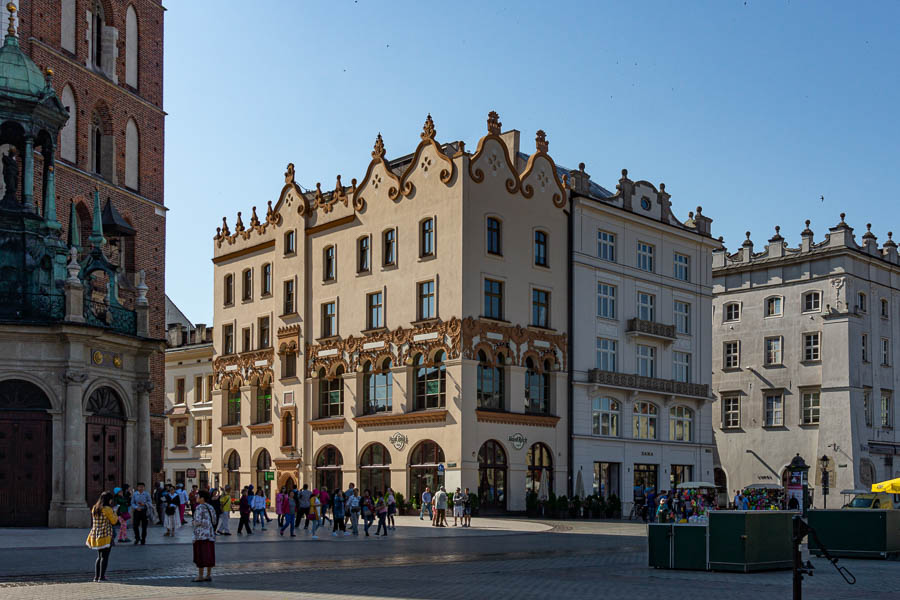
889	487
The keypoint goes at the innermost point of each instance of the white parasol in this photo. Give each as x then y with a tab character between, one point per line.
579	485
544	487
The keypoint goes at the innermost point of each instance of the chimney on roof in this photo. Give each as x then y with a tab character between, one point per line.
173	335
747	249
200	333
580	180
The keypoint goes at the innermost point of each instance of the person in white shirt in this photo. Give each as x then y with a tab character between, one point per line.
182	501
353	509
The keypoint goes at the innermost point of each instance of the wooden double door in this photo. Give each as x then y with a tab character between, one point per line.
25	468
105	456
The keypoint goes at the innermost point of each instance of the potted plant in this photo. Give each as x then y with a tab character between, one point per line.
401	504
562	507
474	503
575	508
613	507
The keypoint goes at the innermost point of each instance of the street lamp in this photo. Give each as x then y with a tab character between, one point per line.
825	481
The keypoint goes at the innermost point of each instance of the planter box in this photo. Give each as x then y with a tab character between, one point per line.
856	532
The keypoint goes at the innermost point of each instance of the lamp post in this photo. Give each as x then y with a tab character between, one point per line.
798	471
825	481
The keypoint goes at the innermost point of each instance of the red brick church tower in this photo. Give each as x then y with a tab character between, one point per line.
106	58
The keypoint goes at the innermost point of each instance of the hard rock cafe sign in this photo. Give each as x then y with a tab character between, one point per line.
398	440
518	440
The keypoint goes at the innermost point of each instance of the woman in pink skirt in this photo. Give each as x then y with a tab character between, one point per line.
204	537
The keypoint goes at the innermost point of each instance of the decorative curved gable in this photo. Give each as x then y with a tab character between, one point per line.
492	157
540	175
291	194
427	160
378	176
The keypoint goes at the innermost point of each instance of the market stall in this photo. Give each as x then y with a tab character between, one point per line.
765	496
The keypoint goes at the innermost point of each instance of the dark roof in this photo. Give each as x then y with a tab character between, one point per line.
113	222
598	191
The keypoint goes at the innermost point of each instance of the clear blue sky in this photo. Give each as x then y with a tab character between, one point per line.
751	109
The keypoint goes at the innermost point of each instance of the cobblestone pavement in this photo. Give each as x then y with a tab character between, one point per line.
572	560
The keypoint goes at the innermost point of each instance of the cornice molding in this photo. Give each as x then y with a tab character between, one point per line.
261	428
328	423
244	252
525	419
231	429
410	418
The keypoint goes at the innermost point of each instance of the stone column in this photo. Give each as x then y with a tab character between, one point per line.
144	447
28	175
75	507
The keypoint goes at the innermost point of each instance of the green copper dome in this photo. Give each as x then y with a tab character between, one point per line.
20	78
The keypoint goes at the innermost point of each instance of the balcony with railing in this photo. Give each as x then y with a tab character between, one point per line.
652	329
649	384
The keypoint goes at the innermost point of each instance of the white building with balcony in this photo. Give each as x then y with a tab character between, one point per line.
642	413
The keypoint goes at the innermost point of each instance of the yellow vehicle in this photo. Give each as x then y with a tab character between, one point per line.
875	500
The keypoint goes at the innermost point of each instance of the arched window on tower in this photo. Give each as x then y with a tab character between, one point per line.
102	148
132	155
101	42
67	26
131	47
69	135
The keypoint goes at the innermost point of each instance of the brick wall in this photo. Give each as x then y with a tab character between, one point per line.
39	35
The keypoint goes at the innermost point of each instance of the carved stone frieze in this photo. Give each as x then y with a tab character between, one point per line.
517	342
235	370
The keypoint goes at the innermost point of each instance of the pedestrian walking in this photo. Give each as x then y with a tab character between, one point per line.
368	511
347	495
192	499
288	512
325	499
100	538
381	513
204	536
172	502
159	495
305	496
141	506
225	516
467	509
391	507
458	501
182	501
245	511
352	506
315	513
337	512
280	499
426	505
441	505
122	514
259	509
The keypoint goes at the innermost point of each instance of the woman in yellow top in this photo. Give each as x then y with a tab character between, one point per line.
101	535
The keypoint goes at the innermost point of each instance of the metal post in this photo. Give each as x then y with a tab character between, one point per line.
797	559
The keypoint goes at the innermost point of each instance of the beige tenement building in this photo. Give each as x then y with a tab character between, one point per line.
407	330
804	348
189	386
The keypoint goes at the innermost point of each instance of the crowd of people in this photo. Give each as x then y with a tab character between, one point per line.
763	499
210	511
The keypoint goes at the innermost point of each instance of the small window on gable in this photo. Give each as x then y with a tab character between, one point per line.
426	238
329	264
540	248
494	232
290	245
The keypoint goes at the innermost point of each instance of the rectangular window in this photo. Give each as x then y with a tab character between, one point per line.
645	308
234	407
811	346
264	337
493	299
606	301
867	406
228	339
812	302
645	257
732	355
208	439
605	416
364	254
374	311
329	319
289	365
606	354
289	297
606	479
864	342
540	308
682	267
540	248
862	304
810	408
773	350
179	390
885	309
646	361
198	432
732	311
426	300
887	409
180	435
228	291
606	246
885	352
774	409
246	340
390	247
773	306
266	280
209	388
493	236
290	245
681	366
426	238
682	317
247	285
731	412
198	389
328	264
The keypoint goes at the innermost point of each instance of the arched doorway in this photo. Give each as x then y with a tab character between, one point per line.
539	459
105	443
25	451
423	468
329	468
264	472
492	476
375	468
233	473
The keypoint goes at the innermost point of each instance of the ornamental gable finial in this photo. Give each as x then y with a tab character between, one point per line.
540	141
289	174
378	151
12	19
493	123
428	131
